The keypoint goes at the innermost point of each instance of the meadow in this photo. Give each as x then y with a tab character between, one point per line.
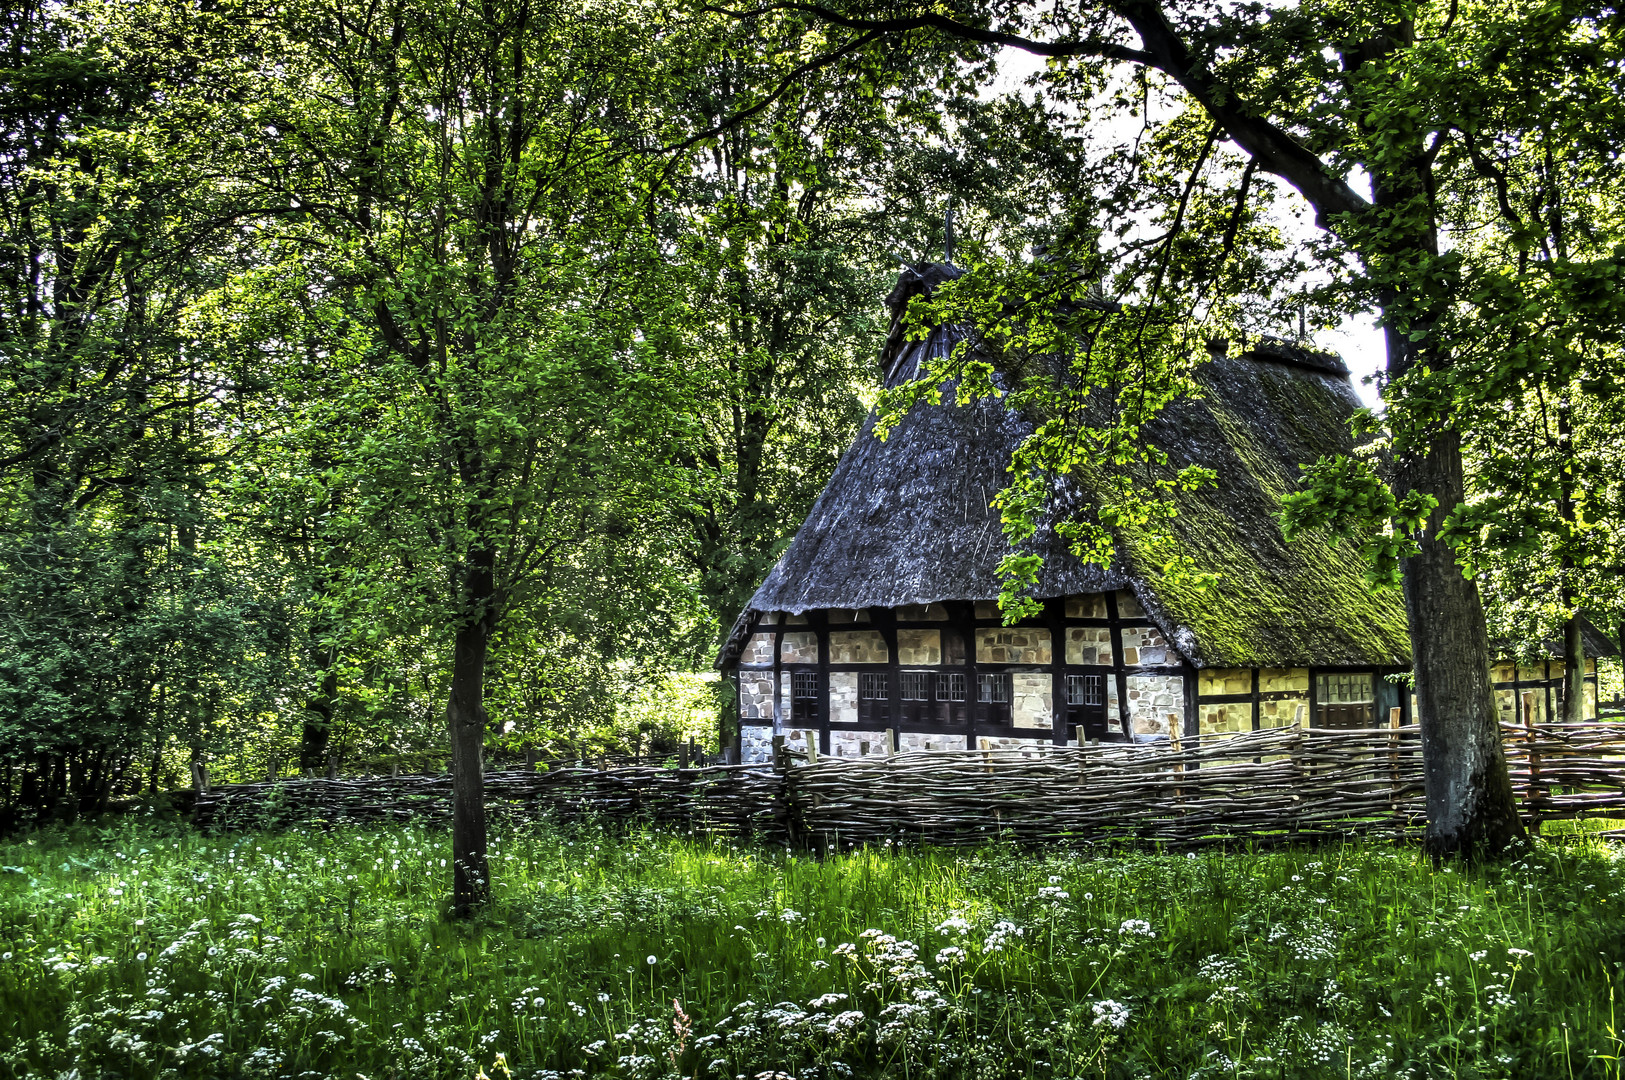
149	950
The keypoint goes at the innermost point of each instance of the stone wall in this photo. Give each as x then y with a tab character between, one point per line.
843	697
1211	682
1004	742
1089	645
1152	699
919	647
851	744
1012	645
1145	645
1128	606
758	651
912	741
755	745
1032	700
1283	712
799	739
857	647
756	695
799	648
1283	680
1092	606
1227	719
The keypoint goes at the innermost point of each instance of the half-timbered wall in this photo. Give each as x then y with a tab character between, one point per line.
952	676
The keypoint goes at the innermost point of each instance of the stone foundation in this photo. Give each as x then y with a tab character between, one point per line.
912	741
1211	682
1002	742
852	744
1128	605
755	745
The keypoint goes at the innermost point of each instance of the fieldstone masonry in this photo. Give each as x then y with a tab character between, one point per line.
919	647
1032	700
851	744
1145	646
1155	701
1012	645
857	647
755	745
1089	645
756	695
799	648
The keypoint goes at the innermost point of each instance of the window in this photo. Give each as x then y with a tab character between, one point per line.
993	689
804	695
993	695
1345	700
874	698
951	687
1085	690
915	685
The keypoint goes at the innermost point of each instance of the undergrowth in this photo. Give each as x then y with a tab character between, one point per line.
144	952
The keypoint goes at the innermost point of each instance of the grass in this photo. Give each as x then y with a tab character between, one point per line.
141	951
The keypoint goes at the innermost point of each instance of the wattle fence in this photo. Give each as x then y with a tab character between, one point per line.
1276	785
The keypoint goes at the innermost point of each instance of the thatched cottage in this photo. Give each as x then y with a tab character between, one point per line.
877	630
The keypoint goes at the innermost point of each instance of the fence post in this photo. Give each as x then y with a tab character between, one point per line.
270	771
1175	744
1532	793
1393	758
682	754
779	763
891	740
332	766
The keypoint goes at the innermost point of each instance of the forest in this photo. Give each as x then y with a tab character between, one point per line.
425	385
369	364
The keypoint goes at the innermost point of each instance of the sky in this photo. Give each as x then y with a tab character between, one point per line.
1357	340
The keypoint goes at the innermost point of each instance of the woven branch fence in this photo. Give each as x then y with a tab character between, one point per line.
1283	784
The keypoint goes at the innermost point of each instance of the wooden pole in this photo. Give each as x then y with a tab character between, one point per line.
1533	795
1394	715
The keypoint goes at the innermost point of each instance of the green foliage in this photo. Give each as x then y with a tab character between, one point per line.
151	951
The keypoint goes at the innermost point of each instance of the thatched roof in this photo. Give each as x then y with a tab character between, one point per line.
907	520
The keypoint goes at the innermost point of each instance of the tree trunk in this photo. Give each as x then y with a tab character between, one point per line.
465	715
1470	805
1574	671
317	731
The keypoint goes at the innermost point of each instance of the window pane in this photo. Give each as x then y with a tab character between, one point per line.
804	684
1345	689
872	686
993	689
951	687
914	685
1085	690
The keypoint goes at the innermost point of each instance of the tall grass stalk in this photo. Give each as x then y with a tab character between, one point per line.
144	952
